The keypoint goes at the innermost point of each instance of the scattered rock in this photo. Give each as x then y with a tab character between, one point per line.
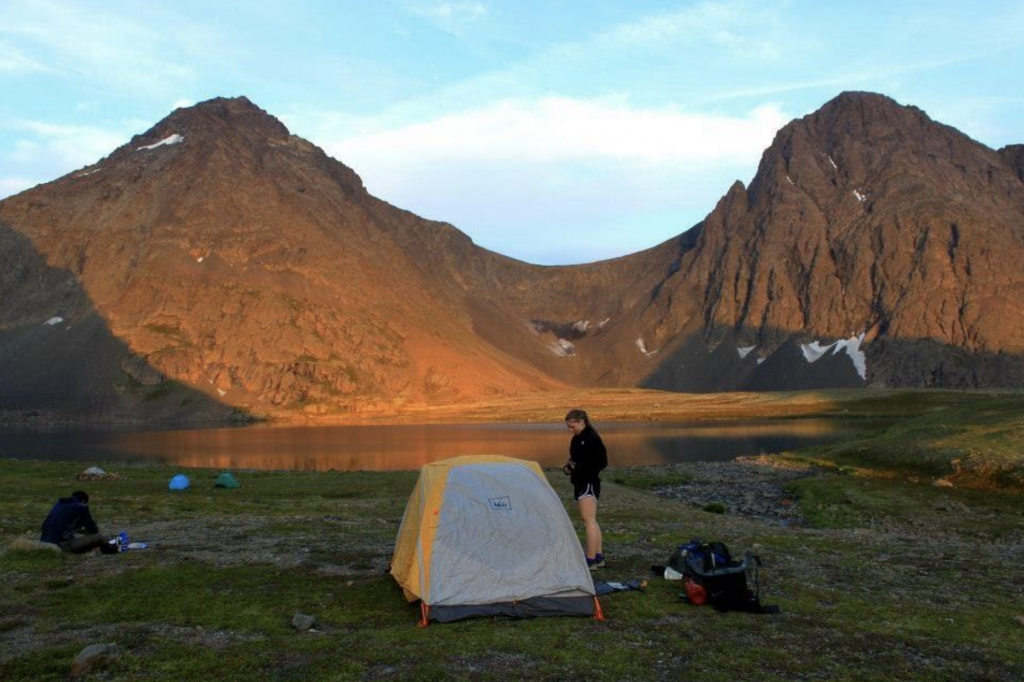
302	622
752	487
98	474
92	657
1019	619
942	483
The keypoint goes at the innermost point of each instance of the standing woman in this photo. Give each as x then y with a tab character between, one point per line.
587	457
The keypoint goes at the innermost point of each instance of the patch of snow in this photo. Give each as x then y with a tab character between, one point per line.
833	163
814	351
199	260
852	348
643	347
563	348
171	139
744	352
760	360
790	180
603	322
222	392
54	321
581	326
860	197
95	170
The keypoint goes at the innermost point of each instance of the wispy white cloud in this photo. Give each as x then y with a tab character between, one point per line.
459	18
739	33
565	129
736	25
12	185
14	60
449	10
45	150
73	145
846	79
148	51
524	176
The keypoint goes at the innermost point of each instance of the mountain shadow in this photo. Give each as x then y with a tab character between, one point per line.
60	364
694	364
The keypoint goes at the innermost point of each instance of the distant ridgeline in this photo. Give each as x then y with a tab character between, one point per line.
217	265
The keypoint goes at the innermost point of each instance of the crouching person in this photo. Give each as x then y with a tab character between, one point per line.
70	526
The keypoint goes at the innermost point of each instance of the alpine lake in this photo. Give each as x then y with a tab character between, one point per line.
405	447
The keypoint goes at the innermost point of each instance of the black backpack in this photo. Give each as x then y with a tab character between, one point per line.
724	579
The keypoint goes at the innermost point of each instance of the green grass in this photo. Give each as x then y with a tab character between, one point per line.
649	478
974	439
889	577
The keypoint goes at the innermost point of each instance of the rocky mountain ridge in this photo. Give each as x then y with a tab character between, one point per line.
233	268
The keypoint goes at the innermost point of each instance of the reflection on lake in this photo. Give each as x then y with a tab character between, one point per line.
376	448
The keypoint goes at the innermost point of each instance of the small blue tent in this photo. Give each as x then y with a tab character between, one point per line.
179	482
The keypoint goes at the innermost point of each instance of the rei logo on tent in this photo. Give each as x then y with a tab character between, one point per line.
500	503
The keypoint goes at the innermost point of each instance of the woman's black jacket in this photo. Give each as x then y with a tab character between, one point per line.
588	454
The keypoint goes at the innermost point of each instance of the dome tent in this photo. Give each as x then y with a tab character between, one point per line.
226	480
179	482
487	535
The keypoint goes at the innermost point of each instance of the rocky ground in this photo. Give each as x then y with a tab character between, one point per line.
753	487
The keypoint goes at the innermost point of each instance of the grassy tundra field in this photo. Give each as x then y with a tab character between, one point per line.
895	556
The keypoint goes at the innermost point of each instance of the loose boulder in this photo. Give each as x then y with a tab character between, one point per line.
303	622
92	657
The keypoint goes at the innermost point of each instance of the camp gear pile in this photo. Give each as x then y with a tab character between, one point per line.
711	575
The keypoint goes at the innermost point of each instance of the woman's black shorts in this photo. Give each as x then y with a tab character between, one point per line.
581	489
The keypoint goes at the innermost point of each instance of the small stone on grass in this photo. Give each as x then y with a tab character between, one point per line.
302	622
92	657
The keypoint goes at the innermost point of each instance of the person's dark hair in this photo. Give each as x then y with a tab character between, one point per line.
578	416
81	496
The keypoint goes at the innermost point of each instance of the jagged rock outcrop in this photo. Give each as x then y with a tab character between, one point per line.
1013	155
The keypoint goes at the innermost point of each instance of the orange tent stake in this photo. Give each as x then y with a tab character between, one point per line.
598	614
424	615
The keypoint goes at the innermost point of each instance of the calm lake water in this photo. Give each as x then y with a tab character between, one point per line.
379	448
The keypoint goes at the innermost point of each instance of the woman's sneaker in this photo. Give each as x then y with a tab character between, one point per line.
595	563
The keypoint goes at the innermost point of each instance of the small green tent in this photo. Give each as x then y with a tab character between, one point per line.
226	480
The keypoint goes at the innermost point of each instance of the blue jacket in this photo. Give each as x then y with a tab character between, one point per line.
67	517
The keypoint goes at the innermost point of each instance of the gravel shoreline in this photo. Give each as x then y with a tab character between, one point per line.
753	487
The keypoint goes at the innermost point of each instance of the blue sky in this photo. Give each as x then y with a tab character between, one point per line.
553	132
